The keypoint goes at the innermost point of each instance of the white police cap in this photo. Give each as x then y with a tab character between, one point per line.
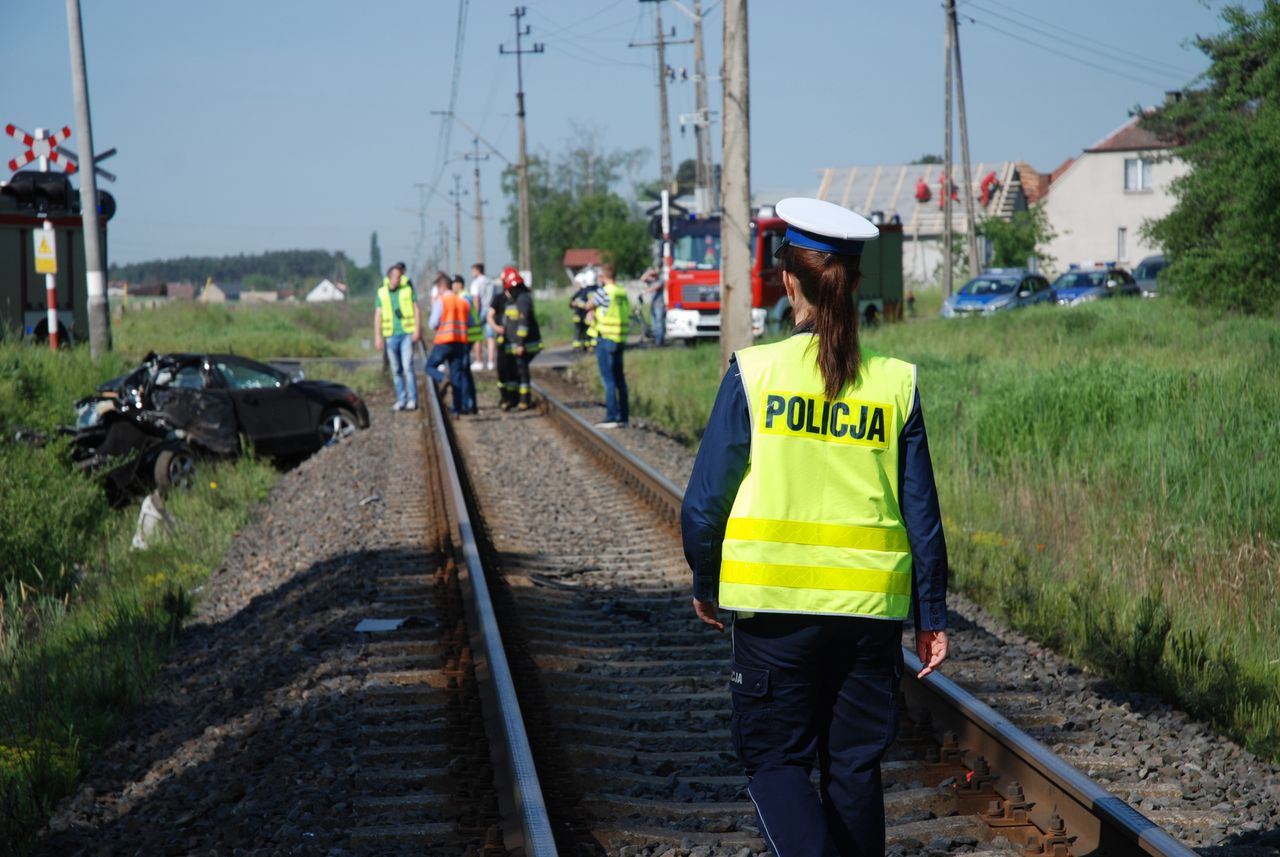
816	224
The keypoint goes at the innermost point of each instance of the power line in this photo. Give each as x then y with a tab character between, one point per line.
559	28
1126	51
445	140
1090	63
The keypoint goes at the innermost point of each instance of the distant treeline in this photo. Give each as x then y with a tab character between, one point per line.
272	270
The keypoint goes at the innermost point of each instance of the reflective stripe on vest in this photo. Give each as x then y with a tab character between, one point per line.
816	526
455	315
612	323
408	320
475	327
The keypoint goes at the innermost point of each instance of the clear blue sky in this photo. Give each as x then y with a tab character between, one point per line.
246	126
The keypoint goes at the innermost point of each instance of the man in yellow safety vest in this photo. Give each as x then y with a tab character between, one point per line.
610	311
397	327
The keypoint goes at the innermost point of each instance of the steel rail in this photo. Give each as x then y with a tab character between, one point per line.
510	749
1097	821
660	490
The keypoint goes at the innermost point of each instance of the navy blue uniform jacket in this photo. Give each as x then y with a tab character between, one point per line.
722	463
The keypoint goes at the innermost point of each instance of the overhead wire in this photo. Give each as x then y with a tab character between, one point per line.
1167	68
445	138
1091	63
1085	43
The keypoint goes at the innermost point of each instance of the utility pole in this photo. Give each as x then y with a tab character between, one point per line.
704	177
477	157
735	222
526	255
95	274
664	120
702	130
948	275
422	224
457	193
975	264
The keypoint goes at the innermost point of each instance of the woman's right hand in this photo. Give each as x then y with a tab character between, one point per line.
708	613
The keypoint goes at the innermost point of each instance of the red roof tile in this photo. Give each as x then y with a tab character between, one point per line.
1130	137
581	257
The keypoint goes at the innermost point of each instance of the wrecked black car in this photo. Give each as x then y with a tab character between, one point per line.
150	427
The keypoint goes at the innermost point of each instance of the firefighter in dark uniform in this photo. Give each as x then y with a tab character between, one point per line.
584	334
521	340
812	515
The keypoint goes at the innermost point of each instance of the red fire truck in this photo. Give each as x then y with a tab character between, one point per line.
693	287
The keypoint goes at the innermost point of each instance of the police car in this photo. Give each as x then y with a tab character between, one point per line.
997	290
1092	282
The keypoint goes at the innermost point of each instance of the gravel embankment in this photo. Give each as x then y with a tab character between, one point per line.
1201	786
254	739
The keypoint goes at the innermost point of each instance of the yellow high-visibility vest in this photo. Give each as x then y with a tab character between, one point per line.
817	525
613	320
475	329
404	294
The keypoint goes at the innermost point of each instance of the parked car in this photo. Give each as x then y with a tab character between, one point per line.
997	290
1147	273
1082	285
151	425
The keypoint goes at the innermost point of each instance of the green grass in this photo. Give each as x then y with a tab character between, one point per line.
84	621
1109	475
256	331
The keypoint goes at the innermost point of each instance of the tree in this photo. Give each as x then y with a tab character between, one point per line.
1220	237
1016	240
686	176
375	253
928	159
573	203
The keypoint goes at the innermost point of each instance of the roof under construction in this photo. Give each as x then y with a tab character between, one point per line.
891	189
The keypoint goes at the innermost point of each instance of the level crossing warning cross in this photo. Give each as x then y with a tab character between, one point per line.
46	148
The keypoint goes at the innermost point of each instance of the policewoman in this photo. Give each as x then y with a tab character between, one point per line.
812	515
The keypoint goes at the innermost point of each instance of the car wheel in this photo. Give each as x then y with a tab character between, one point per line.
174	468
335	425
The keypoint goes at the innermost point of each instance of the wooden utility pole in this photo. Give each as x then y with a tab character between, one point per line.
975	263
95	272
477	157
948	275
526	241
664	118
735	221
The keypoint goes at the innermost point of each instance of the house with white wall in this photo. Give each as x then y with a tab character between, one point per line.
1099	204
325	291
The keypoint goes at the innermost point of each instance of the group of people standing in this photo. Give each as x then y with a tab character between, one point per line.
497	320
470	322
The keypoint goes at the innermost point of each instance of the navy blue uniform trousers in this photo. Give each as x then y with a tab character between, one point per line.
816	690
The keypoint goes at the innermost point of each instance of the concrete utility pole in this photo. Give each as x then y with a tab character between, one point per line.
95	273
948	275
702	130
477	157
526	241
975	264
664	119
704	176
735	222
457	193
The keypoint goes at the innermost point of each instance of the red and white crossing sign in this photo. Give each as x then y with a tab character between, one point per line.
36	148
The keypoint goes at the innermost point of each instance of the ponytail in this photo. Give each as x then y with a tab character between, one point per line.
829	282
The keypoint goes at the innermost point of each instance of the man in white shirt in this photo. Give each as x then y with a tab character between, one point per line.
482	290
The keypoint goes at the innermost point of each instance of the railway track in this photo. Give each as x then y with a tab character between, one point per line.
617	740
